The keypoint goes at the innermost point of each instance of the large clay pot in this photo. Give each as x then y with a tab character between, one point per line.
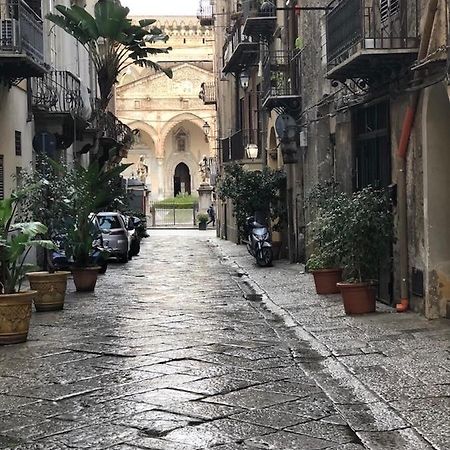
202	225
51	290
326	280
85	278
359	298
15	314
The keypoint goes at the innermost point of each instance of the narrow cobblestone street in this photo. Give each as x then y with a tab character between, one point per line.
173	352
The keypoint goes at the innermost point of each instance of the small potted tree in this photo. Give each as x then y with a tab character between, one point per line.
45	202
92	189
365	238
202	219
324	233
16	240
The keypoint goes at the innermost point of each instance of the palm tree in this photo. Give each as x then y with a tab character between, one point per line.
113	42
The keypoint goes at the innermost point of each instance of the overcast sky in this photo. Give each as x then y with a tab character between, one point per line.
162	7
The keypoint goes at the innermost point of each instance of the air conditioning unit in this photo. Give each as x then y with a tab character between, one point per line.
8	34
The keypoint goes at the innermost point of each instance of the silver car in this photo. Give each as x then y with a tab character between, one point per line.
115	234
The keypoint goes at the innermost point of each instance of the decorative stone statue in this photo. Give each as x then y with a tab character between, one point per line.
142	169
205	171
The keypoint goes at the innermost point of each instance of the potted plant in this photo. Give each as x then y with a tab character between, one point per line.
324	233
92	189
366	236
16	240
202	219
44	202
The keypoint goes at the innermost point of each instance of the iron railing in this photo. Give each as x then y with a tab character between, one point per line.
111	127
205	13
58	91
21	30
384	26
282	71
208	93
252	8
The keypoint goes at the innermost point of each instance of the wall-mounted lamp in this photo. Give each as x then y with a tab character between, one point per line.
206	129
244	79
252	151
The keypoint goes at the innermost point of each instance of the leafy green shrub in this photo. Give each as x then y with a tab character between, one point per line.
202	218
252	191
181	201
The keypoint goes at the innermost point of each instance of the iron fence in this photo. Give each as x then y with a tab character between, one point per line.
163	215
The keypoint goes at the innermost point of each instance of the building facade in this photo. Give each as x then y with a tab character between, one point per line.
367	86
168	116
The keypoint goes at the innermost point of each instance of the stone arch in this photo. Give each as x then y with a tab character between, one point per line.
272	154
170	165
176	120
146	128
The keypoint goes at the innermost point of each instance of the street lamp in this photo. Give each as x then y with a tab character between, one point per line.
206	129
252	151
244	78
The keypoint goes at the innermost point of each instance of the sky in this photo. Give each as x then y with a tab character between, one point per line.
162	7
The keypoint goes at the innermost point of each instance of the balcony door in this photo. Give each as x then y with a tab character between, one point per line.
373	168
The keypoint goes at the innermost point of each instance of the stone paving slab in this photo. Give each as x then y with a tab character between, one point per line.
388	373
169	354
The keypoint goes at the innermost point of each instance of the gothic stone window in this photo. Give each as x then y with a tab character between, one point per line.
181	140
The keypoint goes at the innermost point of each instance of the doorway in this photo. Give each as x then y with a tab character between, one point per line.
182	180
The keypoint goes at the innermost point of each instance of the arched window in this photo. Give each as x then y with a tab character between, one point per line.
181	140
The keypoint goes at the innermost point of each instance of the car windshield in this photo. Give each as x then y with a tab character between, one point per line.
109	222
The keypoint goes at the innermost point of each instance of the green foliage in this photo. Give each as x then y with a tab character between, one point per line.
202	218
181	201
111	39
326	227
92	190
366	234
353	232
252	191
16	240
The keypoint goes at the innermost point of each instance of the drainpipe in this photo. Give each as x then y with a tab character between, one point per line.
402	152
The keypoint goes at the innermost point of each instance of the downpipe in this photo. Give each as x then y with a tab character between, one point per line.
402	155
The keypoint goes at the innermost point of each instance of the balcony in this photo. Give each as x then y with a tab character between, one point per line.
366	41
260	18
281	81
208	93
239	51
57	92
21	40
234	147
111	130
205	13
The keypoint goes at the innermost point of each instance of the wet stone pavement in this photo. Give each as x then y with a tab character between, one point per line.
169	354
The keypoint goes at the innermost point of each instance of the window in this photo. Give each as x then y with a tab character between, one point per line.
181	140
388	8
137	104
18	143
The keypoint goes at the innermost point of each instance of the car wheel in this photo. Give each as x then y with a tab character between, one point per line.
123	258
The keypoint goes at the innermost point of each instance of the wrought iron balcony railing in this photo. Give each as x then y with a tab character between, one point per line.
58	92
21	39
111	128
357	27
239	50
205	13
208	93
281	81
260	17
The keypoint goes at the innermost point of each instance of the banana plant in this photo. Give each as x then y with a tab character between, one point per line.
112	40
16	240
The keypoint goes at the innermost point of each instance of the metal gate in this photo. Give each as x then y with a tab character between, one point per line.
172	215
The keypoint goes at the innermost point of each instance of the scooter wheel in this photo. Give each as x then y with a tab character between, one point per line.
264	257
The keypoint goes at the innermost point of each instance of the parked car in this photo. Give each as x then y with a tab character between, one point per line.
115	234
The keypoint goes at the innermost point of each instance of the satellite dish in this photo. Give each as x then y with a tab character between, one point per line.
286	127
45	142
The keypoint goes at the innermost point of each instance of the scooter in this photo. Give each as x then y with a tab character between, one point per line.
259	243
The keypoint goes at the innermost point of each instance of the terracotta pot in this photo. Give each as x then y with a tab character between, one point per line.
51	290
359	298
202	226
15	314
85	278
326	280
276	248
